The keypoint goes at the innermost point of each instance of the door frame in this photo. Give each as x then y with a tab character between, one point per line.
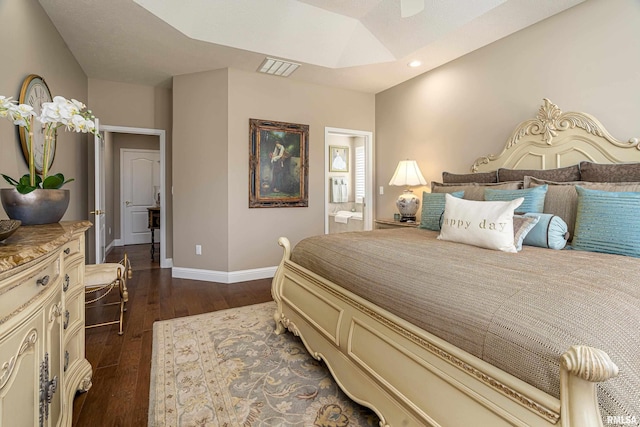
161	134
99	196
368	185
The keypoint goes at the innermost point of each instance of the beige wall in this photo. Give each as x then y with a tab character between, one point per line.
211	167
31	45
584	59
200	195
256	231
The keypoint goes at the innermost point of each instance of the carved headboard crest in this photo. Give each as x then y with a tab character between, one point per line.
549	121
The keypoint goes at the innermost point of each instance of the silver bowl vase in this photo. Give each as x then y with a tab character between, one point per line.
38	207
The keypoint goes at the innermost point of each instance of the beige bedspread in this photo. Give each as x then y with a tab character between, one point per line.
519	312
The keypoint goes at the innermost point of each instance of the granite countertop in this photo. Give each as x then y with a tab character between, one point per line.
30	242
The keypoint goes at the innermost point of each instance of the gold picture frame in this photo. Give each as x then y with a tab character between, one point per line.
338	158
278	164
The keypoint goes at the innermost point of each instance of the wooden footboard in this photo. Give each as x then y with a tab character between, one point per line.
412	378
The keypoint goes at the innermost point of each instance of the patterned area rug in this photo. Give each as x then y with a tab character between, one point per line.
228	368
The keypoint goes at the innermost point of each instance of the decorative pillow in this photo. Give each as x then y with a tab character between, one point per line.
432	208
533	197
473	190
484	224
607	222
569	173
562	199
482	177
550	232
522	226
620	172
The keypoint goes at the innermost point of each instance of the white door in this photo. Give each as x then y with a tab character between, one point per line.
140	173
99	212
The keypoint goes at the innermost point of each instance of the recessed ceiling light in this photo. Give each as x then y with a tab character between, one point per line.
414	64
277	67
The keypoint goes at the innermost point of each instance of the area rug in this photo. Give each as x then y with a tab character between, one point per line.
229	368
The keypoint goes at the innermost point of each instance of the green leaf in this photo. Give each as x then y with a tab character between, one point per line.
24	189
10	180
53	181
25	180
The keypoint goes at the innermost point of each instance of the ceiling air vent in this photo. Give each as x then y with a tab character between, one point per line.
277	67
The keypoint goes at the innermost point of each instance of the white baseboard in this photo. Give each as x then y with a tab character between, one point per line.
118	242
223	276
167	263
109	247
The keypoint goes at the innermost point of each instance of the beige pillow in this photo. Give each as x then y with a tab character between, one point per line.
484	224
562	199
473	190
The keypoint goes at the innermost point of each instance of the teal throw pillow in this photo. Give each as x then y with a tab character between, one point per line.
607	222
533	197
432	208
550	232
522	226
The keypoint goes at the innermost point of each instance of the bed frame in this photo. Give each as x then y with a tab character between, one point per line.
410	377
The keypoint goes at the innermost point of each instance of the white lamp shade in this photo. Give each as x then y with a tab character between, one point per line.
407	174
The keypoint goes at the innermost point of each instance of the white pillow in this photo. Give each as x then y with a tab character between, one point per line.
485	224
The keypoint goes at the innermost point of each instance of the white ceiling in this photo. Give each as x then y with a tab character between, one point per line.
363	45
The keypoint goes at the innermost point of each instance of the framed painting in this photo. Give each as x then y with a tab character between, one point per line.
278	164
339	156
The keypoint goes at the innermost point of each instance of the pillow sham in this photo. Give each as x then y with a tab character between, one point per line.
473	190
619	172
432	208
562	200
607	222
522	226
481	177
533	197
569	173
549	232
484	224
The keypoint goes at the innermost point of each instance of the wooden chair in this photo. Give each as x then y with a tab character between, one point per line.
100	280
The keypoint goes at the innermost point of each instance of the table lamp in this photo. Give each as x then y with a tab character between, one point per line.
408	174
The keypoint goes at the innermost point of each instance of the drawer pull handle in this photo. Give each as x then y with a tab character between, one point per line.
43	281
65	286
67	251
66	320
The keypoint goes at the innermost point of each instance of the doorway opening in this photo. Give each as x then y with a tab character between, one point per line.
348	180
160	192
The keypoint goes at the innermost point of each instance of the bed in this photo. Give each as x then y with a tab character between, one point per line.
436	333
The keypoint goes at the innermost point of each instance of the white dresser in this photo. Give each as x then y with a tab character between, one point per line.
42	359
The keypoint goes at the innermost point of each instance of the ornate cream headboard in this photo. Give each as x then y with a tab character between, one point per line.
556	139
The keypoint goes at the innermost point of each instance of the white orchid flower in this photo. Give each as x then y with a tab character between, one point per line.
21	114
72	114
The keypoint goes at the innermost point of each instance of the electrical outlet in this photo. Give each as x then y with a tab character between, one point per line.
198	249
109	231
381	190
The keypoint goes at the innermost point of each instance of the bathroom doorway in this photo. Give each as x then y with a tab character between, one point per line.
348	180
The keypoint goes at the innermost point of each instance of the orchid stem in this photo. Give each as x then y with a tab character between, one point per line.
32	167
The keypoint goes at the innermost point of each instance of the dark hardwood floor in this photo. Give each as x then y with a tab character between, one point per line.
121	364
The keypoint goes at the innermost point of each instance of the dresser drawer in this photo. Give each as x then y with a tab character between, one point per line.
73	276
74	305
22	288
74	350
71	248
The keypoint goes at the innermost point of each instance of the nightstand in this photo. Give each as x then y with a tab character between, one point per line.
391	223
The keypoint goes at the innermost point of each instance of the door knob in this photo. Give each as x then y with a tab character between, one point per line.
127	203
97	212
